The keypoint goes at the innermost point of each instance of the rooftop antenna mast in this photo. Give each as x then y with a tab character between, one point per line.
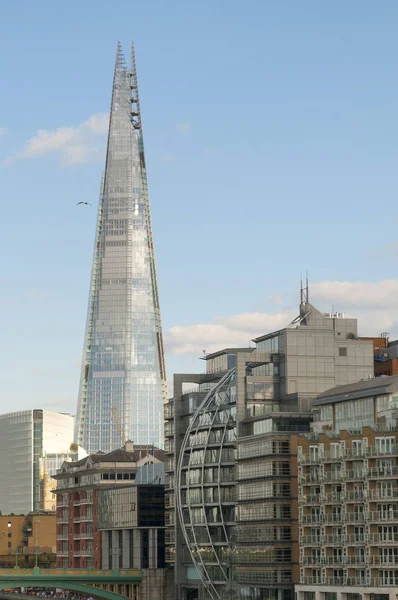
304	295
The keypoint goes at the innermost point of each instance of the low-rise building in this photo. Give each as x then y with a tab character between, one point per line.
27	539
110	514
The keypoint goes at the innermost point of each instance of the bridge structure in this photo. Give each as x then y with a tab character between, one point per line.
115	584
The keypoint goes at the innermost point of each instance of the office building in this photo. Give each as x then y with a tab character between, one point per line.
123	382
348	494
25	438
232	456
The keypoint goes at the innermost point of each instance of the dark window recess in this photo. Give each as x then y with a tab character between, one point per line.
144	549
150	505
9	535
105	476
161	549
76	480
119	476
131	542
110	548
342	351
9	544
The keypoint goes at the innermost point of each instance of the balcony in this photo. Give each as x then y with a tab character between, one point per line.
384	540
383	561
335	518
313	580
311	478
312	519
334	476
312	540
336	580
348	454
356	561
86	501
359	496
382	472
386	494
85	518
336	540
353	517
356	474
358	539
312	499
87	535
390	516
62	520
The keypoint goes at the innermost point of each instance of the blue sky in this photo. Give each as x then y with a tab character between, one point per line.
271	139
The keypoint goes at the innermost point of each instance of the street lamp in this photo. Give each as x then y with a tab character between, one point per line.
37	521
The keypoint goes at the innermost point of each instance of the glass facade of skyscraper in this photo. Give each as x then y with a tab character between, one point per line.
122	383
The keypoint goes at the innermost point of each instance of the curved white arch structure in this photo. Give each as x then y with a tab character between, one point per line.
206	485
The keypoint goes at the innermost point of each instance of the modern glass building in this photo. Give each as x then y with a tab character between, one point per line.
25	438
123	382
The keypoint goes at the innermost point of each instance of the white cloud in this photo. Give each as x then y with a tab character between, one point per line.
375	305
74	145
358	294
184	128
235	330
3	131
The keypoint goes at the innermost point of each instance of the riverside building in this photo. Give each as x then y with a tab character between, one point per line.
232	455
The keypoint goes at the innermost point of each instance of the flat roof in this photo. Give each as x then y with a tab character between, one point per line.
226	351
360	389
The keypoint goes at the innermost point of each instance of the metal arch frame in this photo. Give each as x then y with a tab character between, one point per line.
187	450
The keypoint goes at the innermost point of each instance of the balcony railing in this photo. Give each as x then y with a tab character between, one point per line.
349	454
313	580
383	516
312	519
312	540
384	540
383	494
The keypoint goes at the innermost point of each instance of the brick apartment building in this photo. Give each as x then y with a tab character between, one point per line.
79	539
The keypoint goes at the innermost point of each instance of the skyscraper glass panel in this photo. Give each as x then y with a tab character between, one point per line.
123	382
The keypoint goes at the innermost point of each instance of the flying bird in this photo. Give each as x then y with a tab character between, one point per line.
87	203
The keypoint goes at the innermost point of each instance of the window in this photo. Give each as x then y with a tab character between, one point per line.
385	445
9	544
342	351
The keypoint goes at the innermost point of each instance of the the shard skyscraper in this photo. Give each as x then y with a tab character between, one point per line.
123	382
